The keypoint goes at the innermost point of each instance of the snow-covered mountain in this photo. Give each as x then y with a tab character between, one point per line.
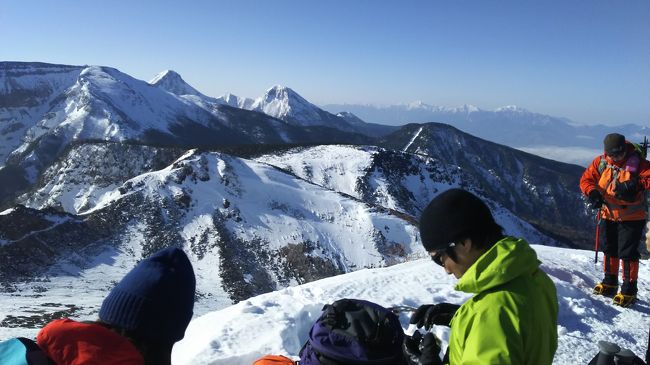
389	179
78	181
27	90
249	228
279	322
551	137
284	103
101	169
395	180
543	192
45	107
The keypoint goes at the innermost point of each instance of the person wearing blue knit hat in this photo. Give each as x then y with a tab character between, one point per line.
139	321
154	302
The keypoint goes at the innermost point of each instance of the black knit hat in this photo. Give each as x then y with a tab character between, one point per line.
614	143
453	215
155	300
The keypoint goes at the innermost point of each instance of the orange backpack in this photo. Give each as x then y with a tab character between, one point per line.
274	360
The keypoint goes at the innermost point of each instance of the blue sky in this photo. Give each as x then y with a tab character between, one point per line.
585	60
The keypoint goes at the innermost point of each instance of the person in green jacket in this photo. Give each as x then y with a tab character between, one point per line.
512	317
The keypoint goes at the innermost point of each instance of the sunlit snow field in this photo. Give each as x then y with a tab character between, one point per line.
278	322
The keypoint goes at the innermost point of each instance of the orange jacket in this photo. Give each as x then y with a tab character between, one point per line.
613	173
274	360
67	342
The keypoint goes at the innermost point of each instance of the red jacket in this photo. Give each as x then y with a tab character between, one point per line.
73	343
611	173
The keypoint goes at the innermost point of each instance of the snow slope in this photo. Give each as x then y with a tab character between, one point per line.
279	322
394	180
248	228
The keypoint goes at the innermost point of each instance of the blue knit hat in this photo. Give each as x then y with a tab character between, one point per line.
155	300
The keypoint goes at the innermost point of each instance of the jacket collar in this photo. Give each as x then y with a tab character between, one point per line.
72	343
508	259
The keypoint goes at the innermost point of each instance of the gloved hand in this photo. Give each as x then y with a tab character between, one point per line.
419	350
627	190
595	199
429	314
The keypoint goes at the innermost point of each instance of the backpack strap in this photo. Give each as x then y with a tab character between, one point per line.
602	164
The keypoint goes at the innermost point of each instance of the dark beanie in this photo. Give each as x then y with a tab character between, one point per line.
155	300
453	215
614	143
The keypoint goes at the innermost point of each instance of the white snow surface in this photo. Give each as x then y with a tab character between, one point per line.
415	136
279	322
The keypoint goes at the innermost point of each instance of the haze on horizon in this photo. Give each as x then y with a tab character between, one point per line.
588	62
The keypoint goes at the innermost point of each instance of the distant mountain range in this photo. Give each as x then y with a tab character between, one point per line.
552	137
97	167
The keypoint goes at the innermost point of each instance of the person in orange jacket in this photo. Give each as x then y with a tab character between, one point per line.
615	183
139	321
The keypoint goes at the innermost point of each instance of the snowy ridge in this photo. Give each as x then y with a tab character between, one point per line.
279	322
80	180
529	186
106	104
394	180
248	228
42	84
301	211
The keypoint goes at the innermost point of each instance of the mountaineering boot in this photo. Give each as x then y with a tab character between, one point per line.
605	289
627	296
623	300
609	286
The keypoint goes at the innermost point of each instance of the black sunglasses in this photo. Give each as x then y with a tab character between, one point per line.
616	154
437	254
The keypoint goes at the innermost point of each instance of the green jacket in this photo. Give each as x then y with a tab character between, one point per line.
512	318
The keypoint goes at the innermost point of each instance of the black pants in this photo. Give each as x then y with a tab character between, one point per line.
622	239
622	242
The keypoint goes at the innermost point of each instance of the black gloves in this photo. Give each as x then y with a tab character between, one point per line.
419	350
429	314
627	190
595	199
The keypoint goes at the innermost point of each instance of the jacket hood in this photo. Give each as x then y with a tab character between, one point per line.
74	343
508	259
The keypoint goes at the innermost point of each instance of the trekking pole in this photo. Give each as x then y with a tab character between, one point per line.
597	236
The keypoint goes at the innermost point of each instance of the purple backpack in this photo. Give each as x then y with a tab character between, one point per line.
353	331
